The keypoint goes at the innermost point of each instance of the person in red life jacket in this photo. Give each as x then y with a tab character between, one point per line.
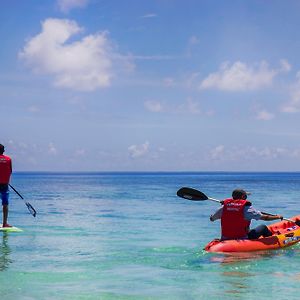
236	214
5	172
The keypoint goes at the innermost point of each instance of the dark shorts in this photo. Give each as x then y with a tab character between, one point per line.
4	194
261	230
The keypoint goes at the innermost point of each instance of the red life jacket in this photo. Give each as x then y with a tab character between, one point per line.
5	169
233	224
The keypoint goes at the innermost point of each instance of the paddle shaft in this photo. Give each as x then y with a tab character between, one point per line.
289	220
29	206
16	191
213	199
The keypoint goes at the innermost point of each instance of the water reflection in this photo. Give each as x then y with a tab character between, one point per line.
5	251
237	269
242	257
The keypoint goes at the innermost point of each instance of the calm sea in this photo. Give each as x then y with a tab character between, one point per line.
128	236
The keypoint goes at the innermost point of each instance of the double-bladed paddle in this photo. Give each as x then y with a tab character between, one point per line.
29	206
195	195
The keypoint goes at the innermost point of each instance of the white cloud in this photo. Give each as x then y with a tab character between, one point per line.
66	5
285	65
52	149
217	152
83	65
150	15
295	153
268	152
138	150
190	106
240	76
151	57
222	153
168	82
192	43
264	115
293	106
194	40
153	106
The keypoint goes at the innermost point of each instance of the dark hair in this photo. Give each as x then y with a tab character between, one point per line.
1	148
239	194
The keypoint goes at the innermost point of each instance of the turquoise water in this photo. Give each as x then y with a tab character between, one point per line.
128	236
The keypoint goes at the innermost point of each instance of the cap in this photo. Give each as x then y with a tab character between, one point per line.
240	194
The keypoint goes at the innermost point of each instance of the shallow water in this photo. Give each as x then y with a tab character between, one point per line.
128	236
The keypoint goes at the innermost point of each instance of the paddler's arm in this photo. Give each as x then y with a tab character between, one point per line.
217	215
270	218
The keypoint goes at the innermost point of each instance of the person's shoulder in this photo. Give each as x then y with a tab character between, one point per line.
5	157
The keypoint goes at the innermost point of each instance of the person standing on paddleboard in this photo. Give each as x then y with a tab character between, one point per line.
5	173
236	214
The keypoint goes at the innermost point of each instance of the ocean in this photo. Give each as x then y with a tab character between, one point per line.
128	236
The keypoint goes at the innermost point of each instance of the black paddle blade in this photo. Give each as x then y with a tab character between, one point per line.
297	222
191	194
31	209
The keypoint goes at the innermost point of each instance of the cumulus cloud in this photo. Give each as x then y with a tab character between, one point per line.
222	153
285	65
264	115
192	42
217	152
83	65
153	106
293	105
240	77
138	150
52	149
168	82
190	106
66	5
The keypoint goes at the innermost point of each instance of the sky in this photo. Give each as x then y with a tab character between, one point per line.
160	85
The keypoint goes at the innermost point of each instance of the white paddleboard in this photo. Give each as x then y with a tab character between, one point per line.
10	229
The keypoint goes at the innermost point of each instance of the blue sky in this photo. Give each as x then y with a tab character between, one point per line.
161	85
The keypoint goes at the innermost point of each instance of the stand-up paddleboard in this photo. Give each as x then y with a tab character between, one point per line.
10	229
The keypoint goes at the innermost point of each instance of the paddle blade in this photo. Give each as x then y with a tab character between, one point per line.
191	194
31	209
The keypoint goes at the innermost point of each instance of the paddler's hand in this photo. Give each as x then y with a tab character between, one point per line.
211	218
280	217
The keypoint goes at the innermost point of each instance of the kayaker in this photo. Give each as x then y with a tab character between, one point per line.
5	172
236	214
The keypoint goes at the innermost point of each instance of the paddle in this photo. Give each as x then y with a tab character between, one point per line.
195	195
29	206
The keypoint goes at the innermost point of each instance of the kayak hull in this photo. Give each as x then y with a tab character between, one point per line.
285	234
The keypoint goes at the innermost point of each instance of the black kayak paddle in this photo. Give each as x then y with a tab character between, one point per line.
29	206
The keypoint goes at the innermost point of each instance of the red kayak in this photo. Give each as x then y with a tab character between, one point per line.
285	233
